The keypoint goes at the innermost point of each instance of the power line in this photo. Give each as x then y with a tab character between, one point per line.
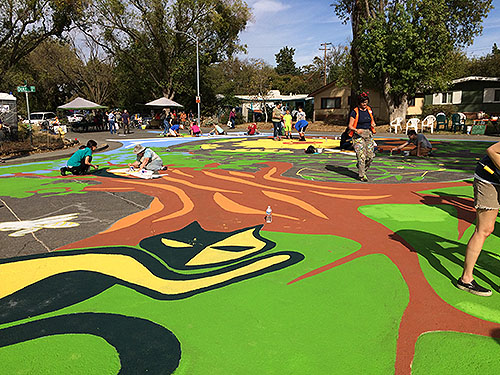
325	49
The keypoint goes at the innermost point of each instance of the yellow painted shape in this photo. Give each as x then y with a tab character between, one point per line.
212	255
296	202
241	174
18	275
187	203
231	206
270	145
201	187
245	182
174	243
176	171
155	207
353	197
272	171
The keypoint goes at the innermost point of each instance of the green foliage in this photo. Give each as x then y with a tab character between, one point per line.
430	109
486	66
154	43
405	47
285	65
25	24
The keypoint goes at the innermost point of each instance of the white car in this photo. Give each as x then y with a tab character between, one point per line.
39	117
76	117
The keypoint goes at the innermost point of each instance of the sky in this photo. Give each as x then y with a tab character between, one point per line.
305	24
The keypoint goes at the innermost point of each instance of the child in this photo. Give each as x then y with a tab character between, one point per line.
287	119
422	145
217	130
252	129
174	130
301	127
80	162
195	130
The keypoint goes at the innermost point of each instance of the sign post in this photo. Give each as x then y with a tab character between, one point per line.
27	89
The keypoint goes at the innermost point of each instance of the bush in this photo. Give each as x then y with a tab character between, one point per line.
431	109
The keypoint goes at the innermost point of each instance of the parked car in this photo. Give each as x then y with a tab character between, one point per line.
75	117
39	117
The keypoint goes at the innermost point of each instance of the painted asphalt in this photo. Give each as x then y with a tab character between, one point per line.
106	274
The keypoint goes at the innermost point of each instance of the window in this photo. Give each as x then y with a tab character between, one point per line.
497	95
330	103
411	102
447	98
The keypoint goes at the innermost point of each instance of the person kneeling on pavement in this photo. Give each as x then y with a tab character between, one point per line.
80	162
422	145
147	159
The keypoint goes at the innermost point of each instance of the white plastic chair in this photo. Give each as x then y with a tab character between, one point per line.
412	124
396	123
429	122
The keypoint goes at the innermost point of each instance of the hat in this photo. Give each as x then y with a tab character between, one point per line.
138	149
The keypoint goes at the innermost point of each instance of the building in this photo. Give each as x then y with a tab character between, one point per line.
332	104
470	95
8	112
254	104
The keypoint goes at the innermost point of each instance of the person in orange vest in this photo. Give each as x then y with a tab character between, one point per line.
362	128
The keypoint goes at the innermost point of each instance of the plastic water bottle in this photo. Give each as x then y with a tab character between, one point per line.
269	214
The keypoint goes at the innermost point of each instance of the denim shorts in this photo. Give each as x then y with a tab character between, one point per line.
486	195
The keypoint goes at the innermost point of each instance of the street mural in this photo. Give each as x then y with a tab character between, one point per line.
348	277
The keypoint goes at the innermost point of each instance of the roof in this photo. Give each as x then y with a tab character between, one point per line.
163	102
5	96
475	78
80	103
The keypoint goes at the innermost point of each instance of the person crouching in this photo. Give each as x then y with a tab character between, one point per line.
146	159
81	161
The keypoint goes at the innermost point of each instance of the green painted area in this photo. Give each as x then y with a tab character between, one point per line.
24	187
455	191
60	354
331	322
453	161
438	353
432	231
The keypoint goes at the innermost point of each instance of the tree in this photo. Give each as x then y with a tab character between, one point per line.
338	67
403	47
148	38
486	66
25	24
285	63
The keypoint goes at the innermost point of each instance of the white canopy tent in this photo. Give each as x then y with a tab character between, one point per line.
164	102
80	103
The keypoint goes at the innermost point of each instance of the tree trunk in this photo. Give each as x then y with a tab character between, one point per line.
356	84
397	105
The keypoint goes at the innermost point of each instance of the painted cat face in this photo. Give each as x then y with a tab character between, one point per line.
194	248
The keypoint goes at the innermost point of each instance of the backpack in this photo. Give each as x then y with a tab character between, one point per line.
310	150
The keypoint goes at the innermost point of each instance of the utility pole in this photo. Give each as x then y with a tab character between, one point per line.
325	49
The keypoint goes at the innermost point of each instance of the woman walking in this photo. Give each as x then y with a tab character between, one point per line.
362	128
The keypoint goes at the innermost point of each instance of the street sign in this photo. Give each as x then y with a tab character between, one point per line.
198	100
25	88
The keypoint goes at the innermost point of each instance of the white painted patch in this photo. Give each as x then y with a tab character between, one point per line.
24	227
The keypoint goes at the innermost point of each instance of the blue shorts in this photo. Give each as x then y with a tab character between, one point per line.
301	125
